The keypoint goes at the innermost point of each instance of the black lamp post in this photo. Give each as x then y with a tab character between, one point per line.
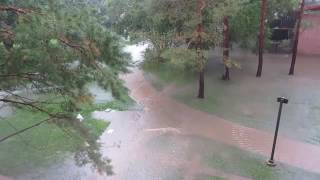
281	100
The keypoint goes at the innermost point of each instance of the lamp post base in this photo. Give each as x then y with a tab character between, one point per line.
271	163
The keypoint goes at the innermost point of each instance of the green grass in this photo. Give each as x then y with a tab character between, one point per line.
205	177
225	158
245	99
160	74
233	160
39	146
46	144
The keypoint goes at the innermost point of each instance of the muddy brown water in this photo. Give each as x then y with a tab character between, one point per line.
127	145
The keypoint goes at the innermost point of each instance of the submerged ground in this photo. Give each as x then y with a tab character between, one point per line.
170	134
251	101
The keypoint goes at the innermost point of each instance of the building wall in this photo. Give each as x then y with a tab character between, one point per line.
310	36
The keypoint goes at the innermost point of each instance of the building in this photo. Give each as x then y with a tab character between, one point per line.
309	42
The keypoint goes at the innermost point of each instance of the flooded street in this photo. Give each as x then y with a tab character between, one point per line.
161	117
159	90
162	139
138	137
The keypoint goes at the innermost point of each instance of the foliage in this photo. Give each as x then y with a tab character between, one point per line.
168	24
171	25
245	22
47	143
63	46
183	58
57	47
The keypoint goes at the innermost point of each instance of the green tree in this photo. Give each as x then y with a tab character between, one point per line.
57	47
245	22
175	27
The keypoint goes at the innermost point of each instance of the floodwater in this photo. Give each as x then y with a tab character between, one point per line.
136	51
163	115
166	139
99	94
68	169
136	132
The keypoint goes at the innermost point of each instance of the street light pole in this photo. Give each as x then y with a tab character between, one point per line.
281	100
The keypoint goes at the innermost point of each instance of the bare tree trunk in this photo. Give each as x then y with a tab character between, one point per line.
226	46
199	31
200	57
262	35
201	85
296	39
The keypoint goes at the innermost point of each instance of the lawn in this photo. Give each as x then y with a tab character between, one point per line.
228	160
248	100
46	144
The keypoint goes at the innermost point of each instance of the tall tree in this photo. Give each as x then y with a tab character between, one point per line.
177	28
227	10
263	14
201	5
56	47
226	47
296	38
244	23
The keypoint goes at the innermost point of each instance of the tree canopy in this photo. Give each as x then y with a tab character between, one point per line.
57	47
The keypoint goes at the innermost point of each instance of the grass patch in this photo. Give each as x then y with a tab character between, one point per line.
225	158
235	161
245	99
205	177
161	74
46	144
37	147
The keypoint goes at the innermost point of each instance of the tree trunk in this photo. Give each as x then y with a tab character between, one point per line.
200	61
199	48
201	85
263	15
226	45
296	39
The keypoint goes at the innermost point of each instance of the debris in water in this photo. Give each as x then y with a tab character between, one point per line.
86	144
110	131
164	130
109	110
80	117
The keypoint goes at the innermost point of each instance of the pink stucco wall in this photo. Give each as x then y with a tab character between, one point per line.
309	43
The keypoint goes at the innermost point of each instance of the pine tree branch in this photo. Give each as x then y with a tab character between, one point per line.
15	9
25	129
25	99
23	75
5	31
27	104
71	45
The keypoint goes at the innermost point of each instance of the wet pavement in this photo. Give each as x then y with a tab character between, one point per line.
251	101
162	138
4	178
161	115
157	140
